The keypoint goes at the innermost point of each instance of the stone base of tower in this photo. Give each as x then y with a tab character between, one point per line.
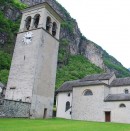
16	109
41	107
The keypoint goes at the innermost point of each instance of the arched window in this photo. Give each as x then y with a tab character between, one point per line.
126	91
28	22
122	105
36	20
88	93
67	106
54	27
48	24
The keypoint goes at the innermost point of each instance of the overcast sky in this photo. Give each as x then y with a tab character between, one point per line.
105	22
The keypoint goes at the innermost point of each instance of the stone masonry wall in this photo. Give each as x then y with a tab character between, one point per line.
16	109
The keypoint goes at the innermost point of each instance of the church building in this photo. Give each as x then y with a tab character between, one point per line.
99	97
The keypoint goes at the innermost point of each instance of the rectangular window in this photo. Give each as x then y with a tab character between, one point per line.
12	88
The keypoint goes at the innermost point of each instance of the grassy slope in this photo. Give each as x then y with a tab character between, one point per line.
59	125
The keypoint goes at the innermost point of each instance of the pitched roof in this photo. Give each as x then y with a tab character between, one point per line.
117	97
86	81
105	76
68	86
120	82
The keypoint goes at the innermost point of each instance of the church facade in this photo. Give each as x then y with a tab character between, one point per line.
100	97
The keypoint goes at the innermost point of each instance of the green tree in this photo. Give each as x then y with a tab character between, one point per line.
4	76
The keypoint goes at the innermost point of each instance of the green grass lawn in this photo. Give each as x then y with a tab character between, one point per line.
59	125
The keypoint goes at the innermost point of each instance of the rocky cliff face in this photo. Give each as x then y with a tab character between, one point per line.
9	17
77	43
10	12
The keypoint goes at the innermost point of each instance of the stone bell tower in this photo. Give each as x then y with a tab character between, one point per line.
31	82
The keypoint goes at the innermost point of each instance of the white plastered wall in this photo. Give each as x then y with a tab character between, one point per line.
62	98
118	114
119	90
93	108
88	107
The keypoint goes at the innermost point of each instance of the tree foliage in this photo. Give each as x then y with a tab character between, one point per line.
5	62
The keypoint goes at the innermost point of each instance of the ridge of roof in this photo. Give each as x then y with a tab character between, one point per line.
120	82
104	76
69	85
117	97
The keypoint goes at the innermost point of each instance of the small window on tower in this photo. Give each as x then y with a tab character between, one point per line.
28	22
13	87
54	28
36	20
48	24
126	91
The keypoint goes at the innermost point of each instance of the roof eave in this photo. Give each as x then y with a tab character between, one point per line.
91	85
115	100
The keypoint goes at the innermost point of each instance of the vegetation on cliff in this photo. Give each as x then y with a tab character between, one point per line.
5	62
14	3
8	31
114	65
77	67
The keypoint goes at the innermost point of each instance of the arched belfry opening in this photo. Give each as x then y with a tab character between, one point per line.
36	20
48	23
28	22
54	28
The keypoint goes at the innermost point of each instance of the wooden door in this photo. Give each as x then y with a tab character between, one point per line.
108	116
45	113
